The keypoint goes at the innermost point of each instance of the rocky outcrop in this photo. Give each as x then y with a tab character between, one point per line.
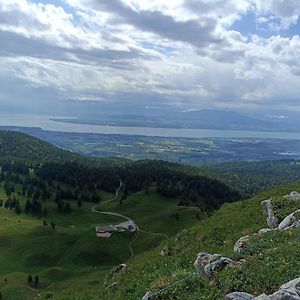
119	268
147	296
239	296
295	196
288	291
204	259
269	213
291	221
240	245
264	231
210	264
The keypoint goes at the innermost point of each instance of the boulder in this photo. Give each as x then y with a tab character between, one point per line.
209	264
119	268
204	259
294	225
288	291
290	220
214	267
295	196
239	296
240	245
147	296
269	213
264	230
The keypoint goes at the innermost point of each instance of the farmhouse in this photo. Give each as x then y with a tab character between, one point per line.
107	231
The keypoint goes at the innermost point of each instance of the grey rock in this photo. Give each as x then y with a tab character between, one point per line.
204	259
264	230
147	296
290	220
239	296
269	213
295	196
288	291
240	245
218	265
209	264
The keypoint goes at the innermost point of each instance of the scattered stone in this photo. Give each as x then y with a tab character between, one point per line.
204	259
290	220
288	291
294	225
239	296
214	267
210	264
240	245
165	252
269	213
295	196
264	231
119	268
147	296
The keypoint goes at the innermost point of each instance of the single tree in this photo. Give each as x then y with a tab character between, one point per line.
36	280
29	279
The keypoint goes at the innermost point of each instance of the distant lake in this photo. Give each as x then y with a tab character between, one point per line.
46	123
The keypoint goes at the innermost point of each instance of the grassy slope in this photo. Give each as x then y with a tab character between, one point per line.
267	266
72	258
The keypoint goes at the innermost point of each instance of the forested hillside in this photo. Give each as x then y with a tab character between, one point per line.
49	199
17	145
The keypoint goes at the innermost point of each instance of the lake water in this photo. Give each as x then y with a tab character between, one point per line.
46	123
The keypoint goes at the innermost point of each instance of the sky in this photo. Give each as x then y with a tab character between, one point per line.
238	54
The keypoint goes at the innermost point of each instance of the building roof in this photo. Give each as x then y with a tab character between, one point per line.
105	229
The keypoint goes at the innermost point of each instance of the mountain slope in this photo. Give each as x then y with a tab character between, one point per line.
47	224
17	145
271	263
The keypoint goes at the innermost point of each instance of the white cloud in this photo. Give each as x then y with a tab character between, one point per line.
184	50
286	11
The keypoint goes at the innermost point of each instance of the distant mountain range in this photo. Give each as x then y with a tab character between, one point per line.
202	119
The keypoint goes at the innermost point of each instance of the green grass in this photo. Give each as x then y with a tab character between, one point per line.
70	258
268	266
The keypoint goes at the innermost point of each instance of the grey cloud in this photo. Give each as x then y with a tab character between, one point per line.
17	18
217	6
193	32
286	9
13	44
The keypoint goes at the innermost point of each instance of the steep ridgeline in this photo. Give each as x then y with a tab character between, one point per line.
17	145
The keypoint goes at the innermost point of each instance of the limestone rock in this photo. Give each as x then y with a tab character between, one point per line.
295	196
290	220
119	268
269	213
240	245
209	264
147	296
218	265
239	296
264	230
204	259
288	291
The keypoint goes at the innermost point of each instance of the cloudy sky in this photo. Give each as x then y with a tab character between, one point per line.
241	54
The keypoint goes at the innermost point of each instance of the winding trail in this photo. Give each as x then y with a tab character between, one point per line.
116	194
135	226
110	213
154	233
